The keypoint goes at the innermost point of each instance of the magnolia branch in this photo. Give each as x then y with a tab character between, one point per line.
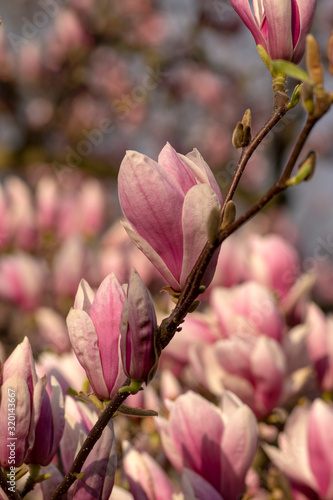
191	290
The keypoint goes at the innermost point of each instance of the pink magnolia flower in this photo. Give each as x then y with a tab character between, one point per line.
19	380
305	451
71	263
280	26
146	478
218	444
52	331
247	310
22	222
273	262
254	369
168	205
22	280
94	331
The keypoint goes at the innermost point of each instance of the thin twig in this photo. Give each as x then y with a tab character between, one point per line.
191	289
247	152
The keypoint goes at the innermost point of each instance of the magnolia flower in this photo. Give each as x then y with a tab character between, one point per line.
94	331
305	451
254	369
217	444
168	205
36	413
280	26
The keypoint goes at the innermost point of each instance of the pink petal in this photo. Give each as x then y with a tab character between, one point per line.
196	428
172	163
21	361
195	162
240	441
198	205
105	314
196	487
279	30
84	341
153	256
152	202
306	14
268	367
321	445
243	9
84	297
22	414
147	479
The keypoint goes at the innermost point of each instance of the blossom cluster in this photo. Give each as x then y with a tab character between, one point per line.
206	346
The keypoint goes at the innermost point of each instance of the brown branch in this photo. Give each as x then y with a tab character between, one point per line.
191	289
280	109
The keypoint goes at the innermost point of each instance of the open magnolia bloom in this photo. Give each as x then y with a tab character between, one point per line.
168	204
280	26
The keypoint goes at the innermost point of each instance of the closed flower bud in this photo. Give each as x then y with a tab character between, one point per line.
138	322
94	331
168	205
279	26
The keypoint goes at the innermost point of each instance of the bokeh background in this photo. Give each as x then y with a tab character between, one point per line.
82	81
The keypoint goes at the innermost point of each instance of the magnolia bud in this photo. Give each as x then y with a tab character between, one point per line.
229	215
313	64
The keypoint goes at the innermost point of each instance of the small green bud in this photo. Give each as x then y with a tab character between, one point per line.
237	136
313	64
213	225
307	97
295	98
306	170
229	215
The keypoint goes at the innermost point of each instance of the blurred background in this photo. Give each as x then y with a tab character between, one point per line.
82	81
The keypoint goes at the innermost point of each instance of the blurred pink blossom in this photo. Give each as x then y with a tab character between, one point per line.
146	478
22	280
216	443
249	309
305	451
